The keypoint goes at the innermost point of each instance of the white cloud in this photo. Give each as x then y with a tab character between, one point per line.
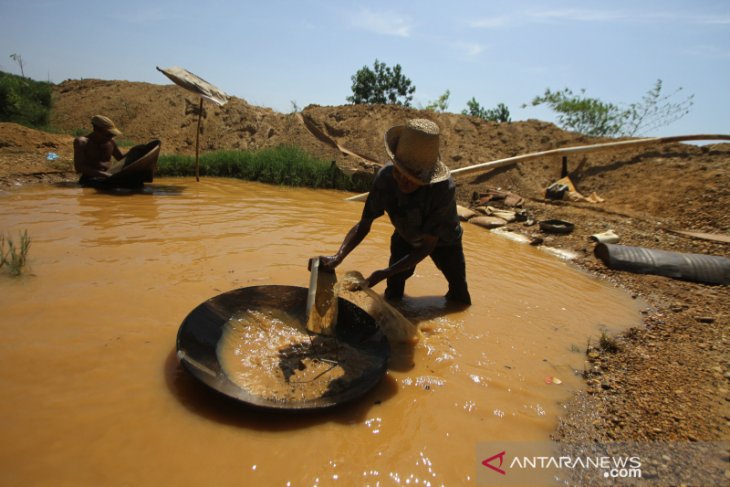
707	51
471	49
575	15
541	16
386	22
489	22
589	15
715	20
585	15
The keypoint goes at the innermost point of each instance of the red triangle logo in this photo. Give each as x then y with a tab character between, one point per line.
488	462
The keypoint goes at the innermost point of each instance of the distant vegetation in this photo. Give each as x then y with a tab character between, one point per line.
14	257
499	114
592	116
473	109
24	101
382	84
576	112
389	86
283	165
441	104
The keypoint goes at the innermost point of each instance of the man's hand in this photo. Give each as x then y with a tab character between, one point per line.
376	277
329	262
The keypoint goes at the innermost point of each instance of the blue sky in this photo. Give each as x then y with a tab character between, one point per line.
276	53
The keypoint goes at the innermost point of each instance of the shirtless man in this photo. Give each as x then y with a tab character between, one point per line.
93	153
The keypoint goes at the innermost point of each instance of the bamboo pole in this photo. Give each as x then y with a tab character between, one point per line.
197	140
569	150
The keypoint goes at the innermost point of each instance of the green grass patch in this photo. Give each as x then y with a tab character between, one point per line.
14	256
282	165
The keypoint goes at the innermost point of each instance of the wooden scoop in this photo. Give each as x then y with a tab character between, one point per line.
321	299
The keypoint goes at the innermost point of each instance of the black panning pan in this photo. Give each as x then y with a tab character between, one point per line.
137	167
200	332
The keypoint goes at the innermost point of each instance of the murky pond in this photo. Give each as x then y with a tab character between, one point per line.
92	393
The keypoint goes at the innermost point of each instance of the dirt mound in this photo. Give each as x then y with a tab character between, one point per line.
687	183
352	135
25	152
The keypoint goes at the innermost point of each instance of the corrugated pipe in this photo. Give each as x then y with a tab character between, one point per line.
707	269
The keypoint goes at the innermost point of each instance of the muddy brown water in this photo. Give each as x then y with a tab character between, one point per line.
92	393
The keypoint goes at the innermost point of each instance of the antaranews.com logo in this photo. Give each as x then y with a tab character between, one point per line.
548	463
612	467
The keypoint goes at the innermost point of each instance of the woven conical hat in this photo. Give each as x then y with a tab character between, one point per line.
414	150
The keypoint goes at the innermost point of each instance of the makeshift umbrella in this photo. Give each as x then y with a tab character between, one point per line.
199	86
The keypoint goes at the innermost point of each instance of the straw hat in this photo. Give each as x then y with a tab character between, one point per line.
414	150
105	123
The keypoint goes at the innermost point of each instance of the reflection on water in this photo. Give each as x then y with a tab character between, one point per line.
92	392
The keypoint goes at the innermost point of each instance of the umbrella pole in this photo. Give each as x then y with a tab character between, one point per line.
197	140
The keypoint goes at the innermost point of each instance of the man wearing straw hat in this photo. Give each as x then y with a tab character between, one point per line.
419	195
93	153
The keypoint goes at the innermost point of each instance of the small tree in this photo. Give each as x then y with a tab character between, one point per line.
591	116
381	84
655	110
441	104
18	59
498	114
578	113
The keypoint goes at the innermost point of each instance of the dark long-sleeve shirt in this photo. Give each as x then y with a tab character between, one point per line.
430	210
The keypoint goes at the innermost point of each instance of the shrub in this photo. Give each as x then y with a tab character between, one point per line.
24	101
499	114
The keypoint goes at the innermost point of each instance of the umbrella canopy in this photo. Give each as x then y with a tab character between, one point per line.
196	84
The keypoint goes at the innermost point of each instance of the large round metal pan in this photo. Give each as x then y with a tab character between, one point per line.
200	332
137	167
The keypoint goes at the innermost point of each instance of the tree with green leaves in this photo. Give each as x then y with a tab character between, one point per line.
441	104
382	84
579	113
591	116
498	114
